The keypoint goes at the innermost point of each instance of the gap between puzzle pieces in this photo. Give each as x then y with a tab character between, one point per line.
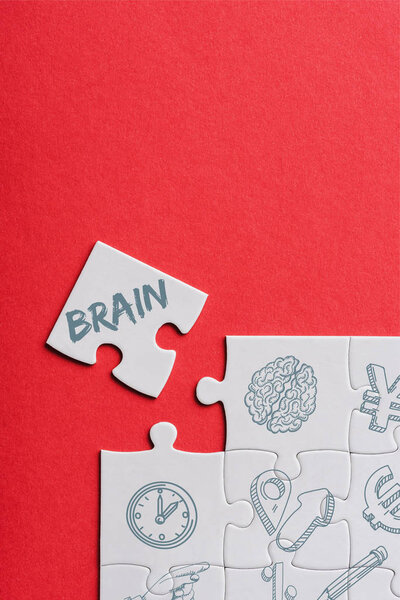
121	301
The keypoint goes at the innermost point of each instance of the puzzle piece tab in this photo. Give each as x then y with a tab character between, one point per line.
165	507
122	301
285	395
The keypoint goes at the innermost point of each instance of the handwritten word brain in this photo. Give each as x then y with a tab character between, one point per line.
80	322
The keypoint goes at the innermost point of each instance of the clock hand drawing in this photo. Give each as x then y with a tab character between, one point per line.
162	514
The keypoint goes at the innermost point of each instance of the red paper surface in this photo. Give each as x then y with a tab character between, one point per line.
247	148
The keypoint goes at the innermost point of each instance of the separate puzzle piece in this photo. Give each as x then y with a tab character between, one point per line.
280	580
285	395
122	301
129	582
165	507
374	365
372	509
295	512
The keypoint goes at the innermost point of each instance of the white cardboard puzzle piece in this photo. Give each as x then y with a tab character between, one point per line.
122	301
296	513
372	509
279	579
285	395
374	364
164	507
129	582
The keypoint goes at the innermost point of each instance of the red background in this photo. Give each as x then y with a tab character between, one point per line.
247	148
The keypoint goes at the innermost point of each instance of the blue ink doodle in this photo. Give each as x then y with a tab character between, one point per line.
162	515
276	576
353	575
180	580
269	493
381	401
290	593
383	501
302	523
282	395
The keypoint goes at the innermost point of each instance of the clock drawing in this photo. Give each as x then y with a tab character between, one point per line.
162	515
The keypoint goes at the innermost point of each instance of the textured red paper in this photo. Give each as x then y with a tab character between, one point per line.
247	148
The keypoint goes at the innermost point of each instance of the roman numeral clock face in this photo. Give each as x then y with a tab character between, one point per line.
162	515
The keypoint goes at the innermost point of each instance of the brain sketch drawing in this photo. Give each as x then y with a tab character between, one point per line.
282	395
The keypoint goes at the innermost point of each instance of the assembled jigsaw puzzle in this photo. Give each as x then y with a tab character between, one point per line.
304	504
325	521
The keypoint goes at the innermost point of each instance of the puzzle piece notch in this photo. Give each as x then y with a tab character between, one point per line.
285	395
142	299
165	506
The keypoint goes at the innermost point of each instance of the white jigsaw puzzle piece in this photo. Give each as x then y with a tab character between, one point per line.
279	579
375	372
285	395
164	507
282	505
372	509
188	582
122	301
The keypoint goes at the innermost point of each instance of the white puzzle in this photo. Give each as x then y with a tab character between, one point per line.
288	511
120	300
303	504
